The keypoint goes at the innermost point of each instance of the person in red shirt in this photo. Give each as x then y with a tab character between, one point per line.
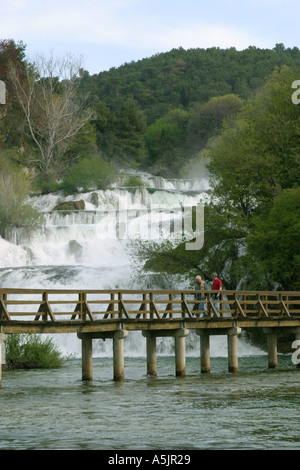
217	285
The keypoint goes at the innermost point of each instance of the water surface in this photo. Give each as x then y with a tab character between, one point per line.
257	408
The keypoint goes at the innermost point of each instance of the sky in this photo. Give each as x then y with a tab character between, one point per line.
109	33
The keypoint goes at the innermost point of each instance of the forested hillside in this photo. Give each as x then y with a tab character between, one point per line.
154	114
160	111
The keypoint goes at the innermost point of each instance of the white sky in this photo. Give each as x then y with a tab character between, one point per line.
108	33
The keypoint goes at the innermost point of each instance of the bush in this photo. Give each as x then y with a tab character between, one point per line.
26	351
133	181
89	173
15	186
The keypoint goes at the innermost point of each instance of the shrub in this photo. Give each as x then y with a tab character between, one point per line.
15	186
133	181
89	173
26	351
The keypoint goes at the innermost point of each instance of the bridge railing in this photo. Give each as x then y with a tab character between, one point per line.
92	305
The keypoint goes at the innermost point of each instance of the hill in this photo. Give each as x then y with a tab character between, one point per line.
182	77
155	111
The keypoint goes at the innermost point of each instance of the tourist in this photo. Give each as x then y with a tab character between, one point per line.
217	285
200	285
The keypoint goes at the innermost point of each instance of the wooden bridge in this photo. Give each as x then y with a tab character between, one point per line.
114	313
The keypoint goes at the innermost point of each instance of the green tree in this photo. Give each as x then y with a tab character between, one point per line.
89	173
15	211
253	164
165	140
129	126
12	121
273	241
207	119
252	221
257	157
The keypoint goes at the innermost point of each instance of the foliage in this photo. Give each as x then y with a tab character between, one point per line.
15	186
208	118
256	169
274	240
252	221
209	85
120	134
25	351
179	78
164	138
133	181
89	173
12	122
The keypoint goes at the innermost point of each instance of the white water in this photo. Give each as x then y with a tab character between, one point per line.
89	250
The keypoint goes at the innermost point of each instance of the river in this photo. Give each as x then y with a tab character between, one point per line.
256	408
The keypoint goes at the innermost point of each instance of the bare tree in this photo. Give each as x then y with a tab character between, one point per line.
47	91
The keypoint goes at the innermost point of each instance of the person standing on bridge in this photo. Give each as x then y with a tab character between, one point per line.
217	285
200	286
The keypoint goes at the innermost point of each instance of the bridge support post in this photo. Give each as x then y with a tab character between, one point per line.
151	353
180	351
118	354
87	357
2	355
272	347
297	338
233	349
204	350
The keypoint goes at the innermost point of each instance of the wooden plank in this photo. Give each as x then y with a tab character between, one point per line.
48	310
45	309
3	310
284	308
142	310
168	310
262	308
87	310
239	308
123	307
109	311
40	310
186	308
213	308
155	309
78	310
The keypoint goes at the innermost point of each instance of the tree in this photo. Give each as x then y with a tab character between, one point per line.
164	141
15	212
207	119
273	241
259	156
252	222
256	173
11	117
55	112
129	125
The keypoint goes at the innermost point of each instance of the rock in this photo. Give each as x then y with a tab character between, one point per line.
70	206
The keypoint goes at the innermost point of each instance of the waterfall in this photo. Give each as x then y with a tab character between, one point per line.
87	249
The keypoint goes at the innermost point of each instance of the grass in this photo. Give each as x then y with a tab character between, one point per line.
29	351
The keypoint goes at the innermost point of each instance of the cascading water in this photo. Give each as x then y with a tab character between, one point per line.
87	248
